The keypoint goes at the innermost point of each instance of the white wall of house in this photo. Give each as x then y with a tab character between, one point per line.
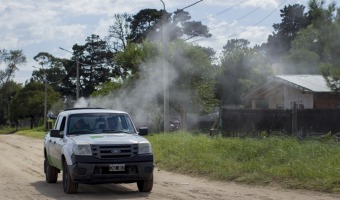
284	95
292	94
276	98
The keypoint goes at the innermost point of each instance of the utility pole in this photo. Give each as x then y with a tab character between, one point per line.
45	107
165	72
165	67
77	71
45	97
78	81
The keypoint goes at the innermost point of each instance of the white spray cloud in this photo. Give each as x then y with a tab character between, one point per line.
142	101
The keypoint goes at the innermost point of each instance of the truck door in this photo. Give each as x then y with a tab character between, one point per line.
55	151
60	142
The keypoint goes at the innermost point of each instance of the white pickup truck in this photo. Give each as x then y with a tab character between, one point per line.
93	146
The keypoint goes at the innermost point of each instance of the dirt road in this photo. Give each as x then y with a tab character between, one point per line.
22	177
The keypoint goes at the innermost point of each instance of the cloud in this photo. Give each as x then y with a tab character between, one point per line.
8	41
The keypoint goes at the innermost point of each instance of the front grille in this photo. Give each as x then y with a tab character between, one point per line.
114	151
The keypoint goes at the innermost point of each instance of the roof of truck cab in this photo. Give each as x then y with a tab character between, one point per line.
91	110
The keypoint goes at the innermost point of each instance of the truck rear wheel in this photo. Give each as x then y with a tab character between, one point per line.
69	186
145	185
51	173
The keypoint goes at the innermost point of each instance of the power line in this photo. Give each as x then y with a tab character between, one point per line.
226	10
191	5
261	19
257	23
242	17
251	12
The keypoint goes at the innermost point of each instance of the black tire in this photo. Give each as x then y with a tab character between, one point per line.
145	185
68	185
51	173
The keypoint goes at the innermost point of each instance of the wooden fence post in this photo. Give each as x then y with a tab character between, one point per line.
183	117
294	119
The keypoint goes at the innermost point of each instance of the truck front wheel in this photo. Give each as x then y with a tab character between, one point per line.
69	186
145	185
51	173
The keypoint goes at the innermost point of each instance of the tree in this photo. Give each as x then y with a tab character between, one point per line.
241	69
107	89
119	32
128	61
7	92
149	23
318	14
303	57
53	71
293	20
96	65
322	20
181	25
330	67
13	59
193	78
29	102
315	49
191	74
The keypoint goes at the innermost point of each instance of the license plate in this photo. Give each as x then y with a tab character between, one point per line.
116	167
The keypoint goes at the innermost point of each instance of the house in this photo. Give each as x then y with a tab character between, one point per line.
282	91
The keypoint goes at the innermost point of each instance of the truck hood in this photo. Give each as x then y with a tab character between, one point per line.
108	138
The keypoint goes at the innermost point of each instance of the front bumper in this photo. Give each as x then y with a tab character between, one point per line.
98	172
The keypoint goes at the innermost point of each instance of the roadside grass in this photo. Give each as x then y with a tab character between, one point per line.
38	132
7	130
310	164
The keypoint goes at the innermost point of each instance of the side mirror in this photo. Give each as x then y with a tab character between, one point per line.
143	131
52	116
55	133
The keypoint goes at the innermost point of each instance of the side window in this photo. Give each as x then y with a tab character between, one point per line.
56	123
62	125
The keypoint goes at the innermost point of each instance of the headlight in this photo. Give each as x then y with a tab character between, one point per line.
82	149
144	148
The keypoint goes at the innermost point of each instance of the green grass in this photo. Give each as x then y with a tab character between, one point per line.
312	165
7	130
38	132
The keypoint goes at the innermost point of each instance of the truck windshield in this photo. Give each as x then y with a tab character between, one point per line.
99	123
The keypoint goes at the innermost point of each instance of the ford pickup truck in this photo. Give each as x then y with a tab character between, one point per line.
95	146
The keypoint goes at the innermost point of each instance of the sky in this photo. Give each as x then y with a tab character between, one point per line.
45	25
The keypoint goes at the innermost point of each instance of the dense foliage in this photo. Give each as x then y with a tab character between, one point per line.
29	102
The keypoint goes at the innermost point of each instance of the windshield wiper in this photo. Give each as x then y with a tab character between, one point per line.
114	131
82	132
